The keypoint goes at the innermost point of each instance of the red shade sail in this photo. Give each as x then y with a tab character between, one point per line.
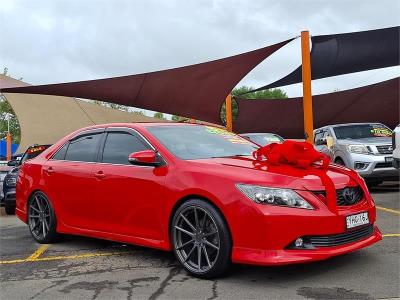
195	91
374	103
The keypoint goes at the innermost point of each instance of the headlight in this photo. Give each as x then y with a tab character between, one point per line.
273	196
359	149
11	181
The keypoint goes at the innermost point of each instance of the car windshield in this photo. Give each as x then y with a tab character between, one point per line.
265	138
362	131
32	152
198	142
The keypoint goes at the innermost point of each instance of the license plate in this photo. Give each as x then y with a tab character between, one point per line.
357	220
389	159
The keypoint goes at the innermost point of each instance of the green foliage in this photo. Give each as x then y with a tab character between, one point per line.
159	115
5	113
267	94
179	119
139	112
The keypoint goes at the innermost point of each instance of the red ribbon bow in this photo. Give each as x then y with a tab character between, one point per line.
302	155
299	154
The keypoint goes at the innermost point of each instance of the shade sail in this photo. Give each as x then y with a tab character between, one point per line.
338	54
45	119
374	103
195	91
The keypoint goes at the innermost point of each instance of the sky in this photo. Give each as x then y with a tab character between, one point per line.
51	41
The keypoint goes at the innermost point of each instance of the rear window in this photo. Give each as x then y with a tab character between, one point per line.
33	151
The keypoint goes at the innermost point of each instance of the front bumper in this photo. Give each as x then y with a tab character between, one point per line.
375	166
269	236
284	257
9	198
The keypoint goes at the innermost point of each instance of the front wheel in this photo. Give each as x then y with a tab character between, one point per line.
201	239
42	219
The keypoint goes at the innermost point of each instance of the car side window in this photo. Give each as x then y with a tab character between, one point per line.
83	148
119	145
318	137
60	154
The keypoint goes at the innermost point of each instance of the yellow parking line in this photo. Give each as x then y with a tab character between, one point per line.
391	235
78	256
15	261
35	255
397	212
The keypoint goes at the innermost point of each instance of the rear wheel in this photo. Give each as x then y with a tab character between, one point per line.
42	219
201	239
10	209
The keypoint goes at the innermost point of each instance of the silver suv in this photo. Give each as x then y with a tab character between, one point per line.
364	147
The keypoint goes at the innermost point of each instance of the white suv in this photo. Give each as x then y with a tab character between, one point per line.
396	147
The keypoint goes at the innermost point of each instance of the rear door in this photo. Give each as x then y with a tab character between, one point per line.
129	198
68	178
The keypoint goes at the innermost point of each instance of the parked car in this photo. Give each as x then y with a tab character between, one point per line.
396	147
262	139
364	147
10	179
4	169
193	189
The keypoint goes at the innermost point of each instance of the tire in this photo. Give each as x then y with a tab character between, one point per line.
372	184
10	209
209	235
42	219
340	162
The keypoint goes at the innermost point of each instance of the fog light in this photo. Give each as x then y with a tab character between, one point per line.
360	165
298	242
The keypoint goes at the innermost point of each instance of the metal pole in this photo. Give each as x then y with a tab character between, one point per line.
228	112
307	96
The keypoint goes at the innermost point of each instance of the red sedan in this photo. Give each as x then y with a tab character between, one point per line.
192	189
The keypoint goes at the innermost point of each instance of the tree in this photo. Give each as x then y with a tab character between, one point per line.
179	118
237	92
159	115
6	112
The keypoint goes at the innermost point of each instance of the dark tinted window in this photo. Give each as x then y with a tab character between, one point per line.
83	148
32	152
60	154
119	145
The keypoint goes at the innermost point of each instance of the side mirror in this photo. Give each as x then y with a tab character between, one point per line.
145	158
12	163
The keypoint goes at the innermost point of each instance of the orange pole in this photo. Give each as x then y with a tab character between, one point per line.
8	140
307	96
228	112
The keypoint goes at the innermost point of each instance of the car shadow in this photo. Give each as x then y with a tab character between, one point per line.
238	272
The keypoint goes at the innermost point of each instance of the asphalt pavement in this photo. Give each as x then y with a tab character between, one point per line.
82	268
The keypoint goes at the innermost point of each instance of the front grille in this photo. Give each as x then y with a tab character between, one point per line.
347	196
386	149
383	165
341	238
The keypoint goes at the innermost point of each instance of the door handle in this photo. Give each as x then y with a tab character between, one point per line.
99	175
49	170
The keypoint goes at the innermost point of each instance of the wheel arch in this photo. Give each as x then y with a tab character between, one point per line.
200	197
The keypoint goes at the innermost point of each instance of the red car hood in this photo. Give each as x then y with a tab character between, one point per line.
246	170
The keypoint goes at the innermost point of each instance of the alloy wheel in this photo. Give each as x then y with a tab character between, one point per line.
39	216
196	239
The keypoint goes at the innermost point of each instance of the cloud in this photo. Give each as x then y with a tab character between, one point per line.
58	41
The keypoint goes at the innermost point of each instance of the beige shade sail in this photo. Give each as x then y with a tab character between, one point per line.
45	119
